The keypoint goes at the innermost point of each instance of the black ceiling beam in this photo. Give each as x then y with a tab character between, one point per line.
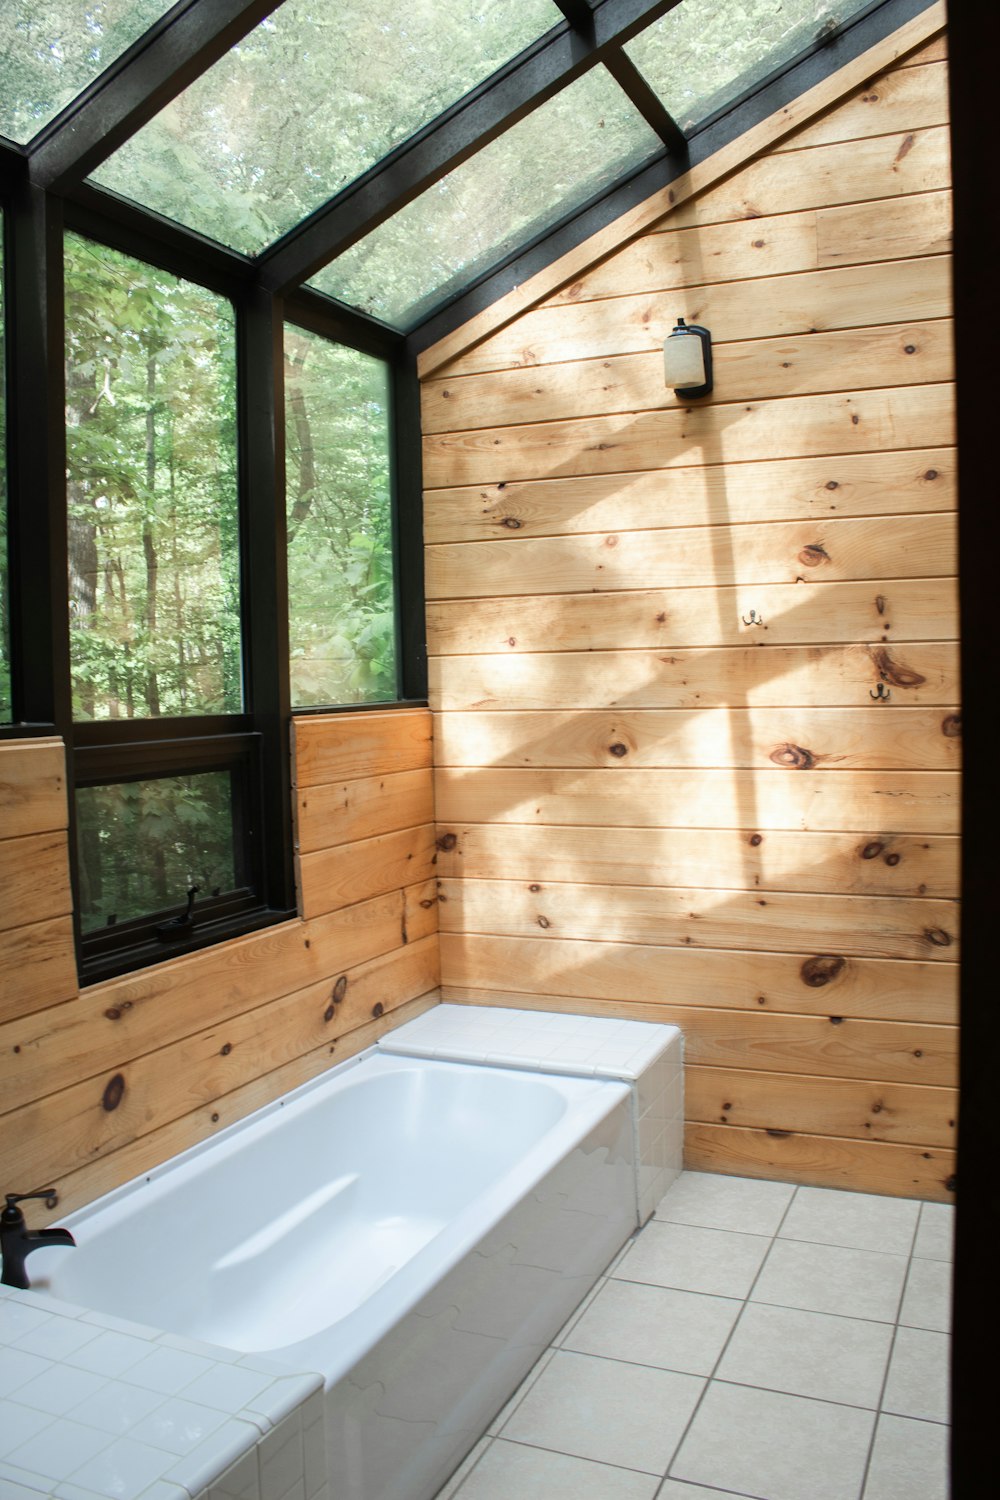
172	54
650	105
528	81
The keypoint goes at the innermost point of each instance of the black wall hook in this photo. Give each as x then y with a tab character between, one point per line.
881	692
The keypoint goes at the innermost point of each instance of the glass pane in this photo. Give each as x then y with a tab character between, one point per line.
340	591
51	50
5	700
565	152
319	92
151	491
705	53
143	844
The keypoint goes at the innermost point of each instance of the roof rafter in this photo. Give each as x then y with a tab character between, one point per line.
189	39
531	79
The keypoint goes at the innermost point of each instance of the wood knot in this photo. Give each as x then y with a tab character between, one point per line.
836	1020
931	474
793	756
378	1009
880	603
340	989
114	1092
512	523
833	484
618	749
814	555
544	922
534	888
225	1049
892	860
890	670
755	840
823	969
938	937
330	1012
951	726
949	1183
779	1135
872	850
446	843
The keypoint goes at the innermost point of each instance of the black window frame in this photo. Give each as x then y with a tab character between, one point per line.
253	744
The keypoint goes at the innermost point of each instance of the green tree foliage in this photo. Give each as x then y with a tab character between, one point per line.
312	97
152	491
52	49
340	586
143	844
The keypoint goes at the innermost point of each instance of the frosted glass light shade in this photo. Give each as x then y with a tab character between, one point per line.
687	360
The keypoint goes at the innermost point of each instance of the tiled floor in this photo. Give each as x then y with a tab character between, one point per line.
754	1339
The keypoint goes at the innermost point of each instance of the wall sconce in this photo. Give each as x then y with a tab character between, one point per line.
687	360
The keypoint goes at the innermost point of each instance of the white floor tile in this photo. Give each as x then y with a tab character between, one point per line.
655	1325
860	1221
677	1489
935	1232
629	1416
714	1201
776	1446
918	1375
808	1354
829	1278
509	1470
909	1459
927	1298
716	1261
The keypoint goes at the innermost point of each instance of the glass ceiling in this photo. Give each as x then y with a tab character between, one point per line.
50	50
564	153
316	95
699	56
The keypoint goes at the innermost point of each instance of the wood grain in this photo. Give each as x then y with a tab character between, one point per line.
844	1107
345	811
32	786
332	747
799	739
806	489
776	922
726	858
915	673
830	551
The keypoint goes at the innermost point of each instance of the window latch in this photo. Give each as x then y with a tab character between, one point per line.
182	926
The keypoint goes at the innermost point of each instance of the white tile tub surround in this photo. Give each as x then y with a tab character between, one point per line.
647	1056
94	1408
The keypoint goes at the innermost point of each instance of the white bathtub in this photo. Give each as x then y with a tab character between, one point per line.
414	1230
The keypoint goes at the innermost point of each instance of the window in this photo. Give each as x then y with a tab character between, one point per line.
167	765
340	555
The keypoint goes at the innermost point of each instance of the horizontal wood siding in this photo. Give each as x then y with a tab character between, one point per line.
695	667
103	1083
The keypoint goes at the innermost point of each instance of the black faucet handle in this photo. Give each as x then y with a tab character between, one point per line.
12	1212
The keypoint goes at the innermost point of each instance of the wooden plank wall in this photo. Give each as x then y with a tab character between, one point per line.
665	788
103	1083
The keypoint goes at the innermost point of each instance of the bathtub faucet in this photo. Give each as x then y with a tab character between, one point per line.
17	1241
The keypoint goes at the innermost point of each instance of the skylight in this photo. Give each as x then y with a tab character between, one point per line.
517	187
50	50
310	99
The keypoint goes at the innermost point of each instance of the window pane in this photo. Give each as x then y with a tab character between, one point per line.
5	700
340	585
51	50
705	53
540	170
142	844
315	95
151	491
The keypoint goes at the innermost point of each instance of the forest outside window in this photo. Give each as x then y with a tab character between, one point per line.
342	617
166	768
